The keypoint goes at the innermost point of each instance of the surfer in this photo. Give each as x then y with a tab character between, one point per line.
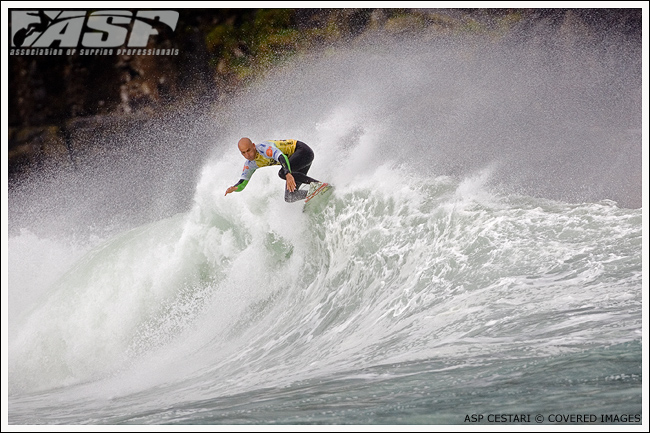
294	156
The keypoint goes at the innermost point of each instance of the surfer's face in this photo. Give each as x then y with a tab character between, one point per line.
248	150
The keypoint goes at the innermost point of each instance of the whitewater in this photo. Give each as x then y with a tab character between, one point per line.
481	253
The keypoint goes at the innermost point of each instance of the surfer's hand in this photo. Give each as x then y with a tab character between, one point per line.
291	183
229	190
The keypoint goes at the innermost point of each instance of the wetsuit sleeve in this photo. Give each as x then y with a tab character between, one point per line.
247	172
284	162
241	185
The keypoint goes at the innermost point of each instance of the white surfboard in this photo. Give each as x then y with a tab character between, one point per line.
318	193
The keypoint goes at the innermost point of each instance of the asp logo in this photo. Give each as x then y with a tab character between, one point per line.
97	29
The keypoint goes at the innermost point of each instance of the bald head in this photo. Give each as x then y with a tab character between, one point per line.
247	148
244	143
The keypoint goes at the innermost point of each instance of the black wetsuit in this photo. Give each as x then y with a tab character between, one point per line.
300	162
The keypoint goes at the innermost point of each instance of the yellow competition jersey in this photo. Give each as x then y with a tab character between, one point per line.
269	152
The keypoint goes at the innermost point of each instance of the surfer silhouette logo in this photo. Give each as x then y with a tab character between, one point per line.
44	22
96	29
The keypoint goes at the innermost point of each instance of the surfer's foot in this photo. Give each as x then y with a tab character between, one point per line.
313	187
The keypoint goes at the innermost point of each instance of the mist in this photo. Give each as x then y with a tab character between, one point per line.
559	119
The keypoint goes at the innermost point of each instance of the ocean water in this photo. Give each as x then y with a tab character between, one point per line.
479	262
